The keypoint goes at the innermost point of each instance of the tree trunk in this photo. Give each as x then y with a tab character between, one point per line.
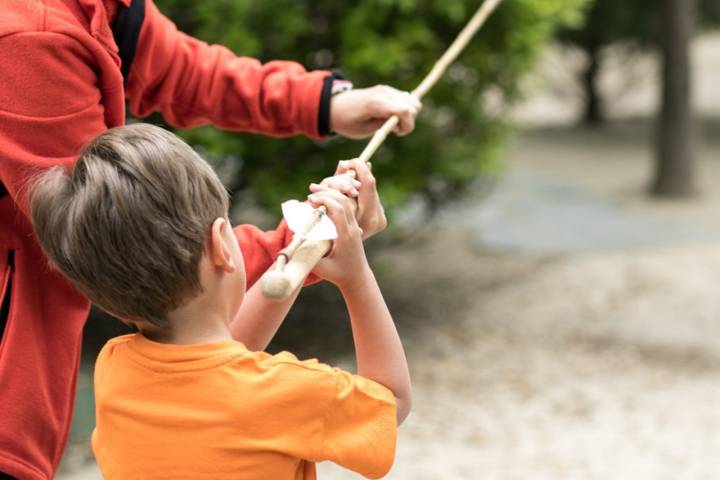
674	175
593	114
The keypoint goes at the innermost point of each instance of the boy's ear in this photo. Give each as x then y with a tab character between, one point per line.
220	252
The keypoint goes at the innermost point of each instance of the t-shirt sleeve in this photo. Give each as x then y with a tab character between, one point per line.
360	426
321	413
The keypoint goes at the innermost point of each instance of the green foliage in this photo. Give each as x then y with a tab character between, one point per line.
710	13
379	41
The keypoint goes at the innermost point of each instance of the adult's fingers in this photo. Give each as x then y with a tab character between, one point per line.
389	101
406	124
385	108
408	105
401	96
414	100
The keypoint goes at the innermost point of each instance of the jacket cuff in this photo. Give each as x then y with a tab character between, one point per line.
324	108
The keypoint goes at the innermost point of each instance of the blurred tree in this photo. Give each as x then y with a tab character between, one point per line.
643	25
674	173
608	22
378	41
637	24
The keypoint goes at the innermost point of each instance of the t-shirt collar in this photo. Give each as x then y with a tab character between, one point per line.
169	353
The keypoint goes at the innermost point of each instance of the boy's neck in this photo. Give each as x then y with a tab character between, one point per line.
187	336
191	324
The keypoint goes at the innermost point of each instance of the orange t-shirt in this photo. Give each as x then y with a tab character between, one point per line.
219	411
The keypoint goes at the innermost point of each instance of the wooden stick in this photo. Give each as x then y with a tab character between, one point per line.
436	72
291	268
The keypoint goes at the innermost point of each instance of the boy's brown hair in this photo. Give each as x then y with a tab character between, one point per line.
128	223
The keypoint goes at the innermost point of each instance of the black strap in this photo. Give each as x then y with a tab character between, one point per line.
3	190
126	32
324	110
5	304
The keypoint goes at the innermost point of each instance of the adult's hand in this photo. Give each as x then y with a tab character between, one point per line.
370	213
358	113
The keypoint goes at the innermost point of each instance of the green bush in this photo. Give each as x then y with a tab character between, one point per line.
394	42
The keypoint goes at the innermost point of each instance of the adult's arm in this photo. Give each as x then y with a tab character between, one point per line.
50	106
192	83
260	248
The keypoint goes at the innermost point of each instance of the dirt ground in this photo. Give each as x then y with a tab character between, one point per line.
549	342
590	365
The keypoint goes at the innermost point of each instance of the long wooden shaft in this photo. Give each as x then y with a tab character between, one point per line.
450	55
456	47
291	268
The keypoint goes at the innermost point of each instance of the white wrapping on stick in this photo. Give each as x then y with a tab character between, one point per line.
299	214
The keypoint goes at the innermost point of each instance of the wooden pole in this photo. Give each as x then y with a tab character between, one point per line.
290	269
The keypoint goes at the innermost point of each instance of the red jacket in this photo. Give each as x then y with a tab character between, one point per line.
61	85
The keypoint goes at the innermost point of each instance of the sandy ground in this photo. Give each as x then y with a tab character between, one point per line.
591	365
549	342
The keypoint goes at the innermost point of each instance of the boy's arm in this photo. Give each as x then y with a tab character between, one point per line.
259	318
378	350
260	250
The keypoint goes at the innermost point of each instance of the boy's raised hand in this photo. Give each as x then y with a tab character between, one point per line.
347	259
342	183
370	212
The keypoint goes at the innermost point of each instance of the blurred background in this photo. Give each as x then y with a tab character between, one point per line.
553	260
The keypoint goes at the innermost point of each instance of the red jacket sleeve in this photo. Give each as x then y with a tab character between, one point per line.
260	248
50	105
192	83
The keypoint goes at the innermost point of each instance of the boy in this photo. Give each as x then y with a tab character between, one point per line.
140	226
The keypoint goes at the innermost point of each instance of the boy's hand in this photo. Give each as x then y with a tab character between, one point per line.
370	213
346	262
342	183
358	113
